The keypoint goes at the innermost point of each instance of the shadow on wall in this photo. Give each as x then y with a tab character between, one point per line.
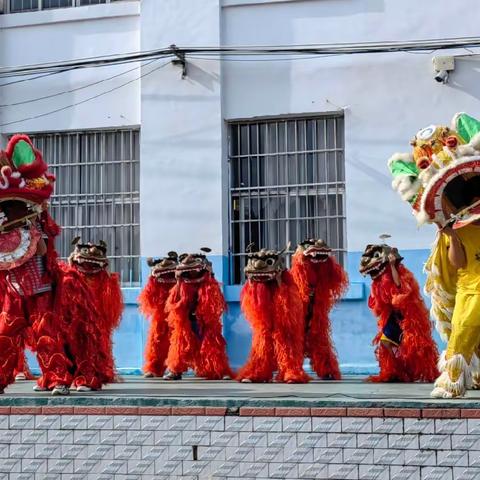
466	77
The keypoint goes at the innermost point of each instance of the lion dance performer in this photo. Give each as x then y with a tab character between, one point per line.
152	303
272	304
405	349
28	267
90	305
194	307
321	281
441	181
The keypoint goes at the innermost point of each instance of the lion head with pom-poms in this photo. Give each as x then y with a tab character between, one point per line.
25	187
440	178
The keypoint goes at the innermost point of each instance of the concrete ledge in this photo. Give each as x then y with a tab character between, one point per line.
441	413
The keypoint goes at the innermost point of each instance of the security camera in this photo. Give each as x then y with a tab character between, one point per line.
441	76
442	67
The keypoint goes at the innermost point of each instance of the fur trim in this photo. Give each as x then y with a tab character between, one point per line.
422	217
407	157
453	123
444	384
475	142
407	188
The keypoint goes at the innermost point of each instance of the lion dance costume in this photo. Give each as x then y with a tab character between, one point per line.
89	301
194	308
28	267
405	348
152	301
441	181
272	304
321	281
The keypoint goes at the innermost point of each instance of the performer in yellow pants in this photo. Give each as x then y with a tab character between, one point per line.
459	365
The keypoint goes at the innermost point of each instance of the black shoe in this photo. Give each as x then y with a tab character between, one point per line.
172	376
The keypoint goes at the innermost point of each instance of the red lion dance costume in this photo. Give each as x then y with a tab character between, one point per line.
28	267
90	304
194	307
405	350
152	301
272	305
321	281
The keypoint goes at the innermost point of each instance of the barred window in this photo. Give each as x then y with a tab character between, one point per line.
97	192
287	183
16	6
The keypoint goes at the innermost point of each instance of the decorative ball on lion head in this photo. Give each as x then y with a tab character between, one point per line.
25	187
88	258
441	177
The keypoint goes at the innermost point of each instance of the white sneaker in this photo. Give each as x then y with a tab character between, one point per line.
38	388
246	380
20	376
83	388
61	390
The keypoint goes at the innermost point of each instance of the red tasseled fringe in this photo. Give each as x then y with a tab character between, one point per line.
207	354
275	313
89	319
417	354
329	281
152	303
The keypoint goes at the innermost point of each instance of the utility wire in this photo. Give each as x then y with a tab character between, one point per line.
40	115
310	49
23	102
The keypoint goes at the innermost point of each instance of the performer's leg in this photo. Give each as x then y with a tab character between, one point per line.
288	347
456	362
12	324
156	348
53	362
183	348
390	364
322	354
212	359
261	361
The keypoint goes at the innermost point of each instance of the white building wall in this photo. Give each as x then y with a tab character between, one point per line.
181	146
68	34
386	98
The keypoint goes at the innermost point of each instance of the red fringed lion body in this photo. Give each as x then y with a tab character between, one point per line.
90	304
406	351
321	281
272	305
194	309
152	303
28	268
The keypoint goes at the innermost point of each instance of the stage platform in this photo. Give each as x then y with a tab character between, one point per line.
150	429
352	391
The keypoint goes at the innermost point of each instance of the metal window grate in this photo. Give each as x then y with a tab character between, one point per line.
97	192
287	183
17	6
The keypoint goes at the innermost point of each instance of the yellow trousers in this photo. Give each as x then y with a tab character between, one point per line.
465	336
460	367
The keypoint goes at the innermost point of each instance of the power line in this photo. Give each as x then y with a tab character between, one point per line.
309	49
40	115
33	100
